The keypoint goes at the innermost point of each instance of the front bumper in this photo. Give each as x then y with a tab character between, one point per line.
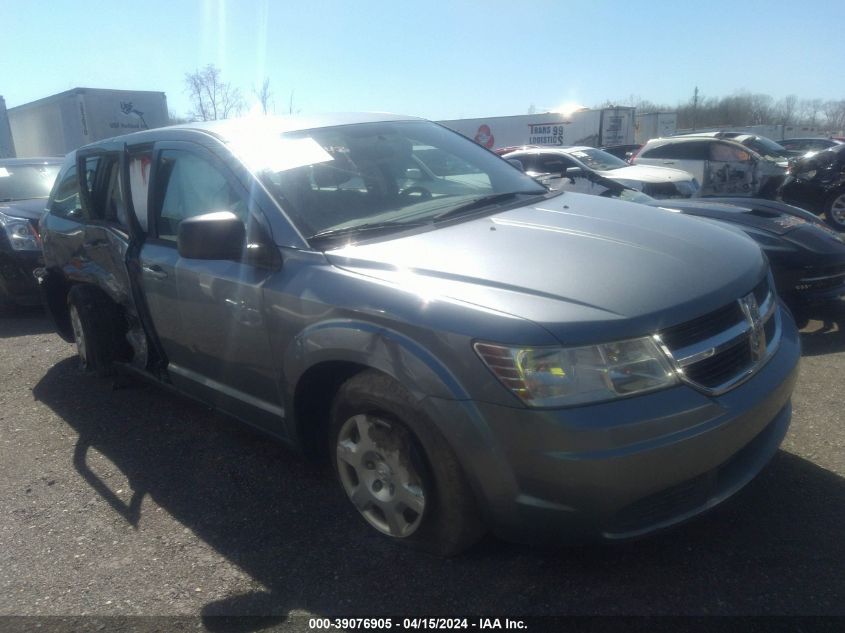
811	285
17	283
620	469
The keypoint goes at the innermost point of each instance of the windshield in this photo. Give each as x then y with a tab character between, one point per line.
767	148
597	159
24	182
389	173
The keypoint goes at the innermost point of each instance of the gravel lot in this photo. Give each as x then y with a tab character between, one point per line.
120	500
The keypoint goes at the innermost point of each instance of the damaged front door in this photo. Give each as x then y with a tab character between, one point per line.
730	170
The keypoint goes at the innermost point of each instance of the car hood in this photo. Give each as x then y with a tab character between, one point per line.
28	209
586	268
647	173
766	215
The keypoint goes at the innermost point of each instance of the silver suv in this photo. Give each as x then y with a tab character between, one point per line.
469	350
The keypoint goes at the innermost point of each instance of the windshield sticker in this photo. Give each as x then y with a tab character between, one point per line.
4	173
280	154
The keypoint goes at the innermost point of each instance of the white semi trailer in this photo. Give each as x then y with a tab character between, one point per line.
7	147
55	125
596	128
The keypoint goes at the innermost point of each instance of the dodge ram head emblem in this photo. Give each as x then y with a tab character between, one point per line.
756	336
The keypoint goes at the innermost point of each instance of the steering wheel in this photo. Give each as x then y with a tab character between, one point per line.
416	191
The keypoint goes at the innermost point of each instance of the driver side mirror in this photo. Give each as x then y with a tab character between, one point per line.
218	235
572	173
517	163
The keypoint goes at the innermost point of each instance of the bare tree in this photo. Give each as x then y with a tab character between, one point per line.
787	109
263	95
211	97
834	112
175	119
810	110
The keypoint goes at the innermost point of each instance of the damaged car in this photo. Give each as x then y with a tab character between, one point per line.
25	184
722	166
545	365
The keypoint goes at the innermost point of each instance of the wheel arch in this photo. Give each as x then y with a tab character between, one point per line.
323	357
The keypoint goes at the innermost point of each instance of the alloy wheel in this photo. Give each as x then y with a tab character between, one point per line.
837	211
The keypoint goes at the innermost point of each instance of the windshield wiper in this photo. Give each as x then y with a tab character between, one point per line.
484	201
363	228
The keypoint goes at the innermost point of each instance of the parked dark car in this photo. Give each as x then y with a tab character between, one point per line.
817	183
807	256
803	146
544	365
25	184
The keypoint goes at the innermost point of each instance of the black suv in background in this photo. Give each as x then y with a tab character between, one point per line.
468	349
817	183
25	184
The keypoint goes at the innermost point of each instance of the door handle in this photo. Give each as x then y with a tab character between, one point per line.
668	162
95	243
155	271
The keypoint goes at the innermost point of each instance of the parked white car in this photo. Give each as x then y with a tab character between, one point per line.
722	166
555	166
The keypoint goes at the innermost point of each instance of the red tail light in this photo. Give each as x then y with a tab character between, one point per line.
634	154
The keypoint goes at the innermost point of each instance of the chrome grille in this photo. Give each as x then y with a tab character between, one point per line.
719	350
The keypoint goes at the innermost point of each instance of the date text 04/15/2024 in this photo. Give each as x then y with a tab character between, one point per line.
414	624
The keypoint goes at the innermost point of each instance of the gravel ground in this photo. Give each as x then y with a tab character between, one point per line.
128	500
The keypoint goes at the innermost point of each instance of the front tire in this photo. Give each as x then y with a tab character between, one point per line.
398	471
835	210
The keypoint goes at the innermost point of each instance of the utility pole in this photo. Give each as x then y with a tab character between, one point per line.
694	108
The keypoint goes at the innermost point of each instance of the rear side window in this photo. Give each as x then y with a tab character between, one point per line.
695	150
724	152
554	164
189	185
65	201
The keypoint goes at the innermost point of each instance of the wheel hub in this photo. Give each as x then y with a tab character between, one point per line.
376	471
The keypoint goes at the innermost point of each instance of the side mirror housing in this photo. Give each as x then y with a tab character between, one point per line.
218	235
572	173
517	163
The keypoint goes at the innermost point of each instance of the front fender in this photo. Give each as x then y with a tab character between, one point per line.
378	347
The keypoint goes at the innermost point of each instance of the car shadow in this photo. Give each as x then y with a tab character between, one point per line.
825	331
775	548
25	322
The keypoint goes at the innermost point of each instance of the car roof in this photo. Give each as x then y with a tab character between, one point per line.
811	138
553	150
39	160
692	137
228	129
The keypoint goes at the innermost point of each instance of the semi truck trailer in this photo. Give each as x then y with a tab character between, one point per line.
58	124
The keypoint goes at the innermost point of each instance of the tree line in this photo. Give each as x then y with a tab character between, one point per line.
213	98
747	108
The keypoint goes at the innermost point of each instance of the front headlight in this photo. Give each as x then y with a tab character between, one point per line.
559	377
22	236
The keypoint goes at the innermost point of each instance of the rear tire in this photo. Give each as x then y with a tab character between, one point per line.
94	320
398	470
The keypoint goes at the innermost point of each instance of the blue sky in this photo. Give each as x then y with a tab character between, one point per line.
432	58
